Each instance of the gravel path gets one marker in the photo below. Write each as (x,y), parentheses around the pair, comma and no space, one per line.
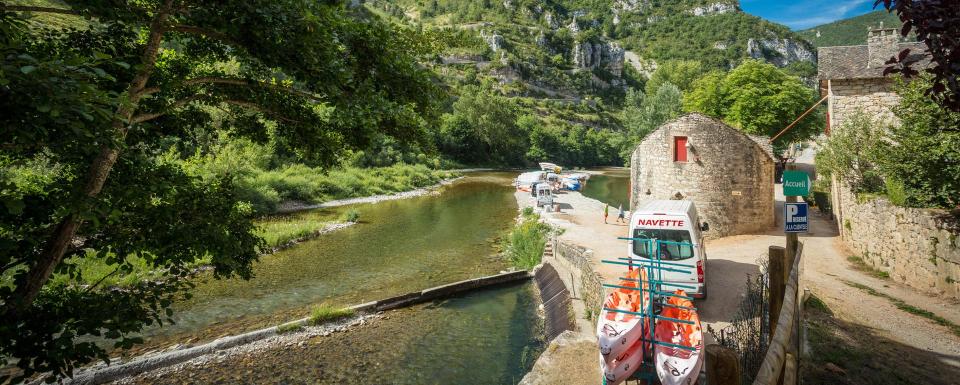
(826,273)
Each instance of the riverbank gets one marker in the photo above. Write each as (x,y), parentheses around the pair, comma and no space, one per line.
(205,363)
(295,206)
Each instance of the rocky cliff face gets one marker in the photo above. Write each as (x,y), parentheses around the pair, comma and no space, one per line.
(606,55)
(780,52)
(714,8)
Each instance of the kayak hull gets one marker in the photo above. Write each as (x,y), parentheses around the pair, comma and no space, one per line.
(619,369)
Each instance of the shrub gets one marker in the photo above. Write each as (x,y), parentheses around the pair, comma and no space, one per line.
(523,245)
(326,312)
(351,215)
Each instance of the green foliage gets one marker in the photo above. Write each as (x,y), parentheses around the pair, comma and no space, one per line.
(351,215)
(914,163)
(922,154)
(326,312)
(523,245)
(91,115)
(643,114)
(758,99)
(277,231)
(681,73)
(851,153)
(852,31)
(482,129)
(289,328)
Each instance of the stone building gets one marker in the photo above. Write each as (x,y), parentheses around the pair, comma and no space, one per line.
(917,247)
(726,173)
(852,76)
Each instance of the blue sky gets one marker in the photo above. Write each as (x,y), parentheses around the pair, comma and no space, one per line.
(802,14)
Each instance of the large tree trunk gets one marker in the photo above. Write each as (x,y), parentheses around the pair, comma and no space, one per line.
(56,246)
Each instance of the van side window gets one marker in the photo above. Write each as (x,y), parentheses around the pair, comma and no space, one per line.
(676,245)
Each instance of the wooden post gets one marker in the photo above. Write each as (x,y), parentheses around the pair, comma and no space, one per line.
(791,237)
(723,366)
(777,281)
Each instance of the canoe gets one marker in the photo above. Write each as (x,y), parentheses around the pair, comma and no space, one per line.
(620,368)
(618,331)
(677,366)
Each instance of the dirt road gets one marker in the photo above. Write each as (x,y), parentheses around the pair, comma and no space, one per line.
(827,273)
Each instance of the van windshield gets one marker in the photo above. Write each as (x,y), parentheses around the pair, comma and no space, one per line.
(668,251)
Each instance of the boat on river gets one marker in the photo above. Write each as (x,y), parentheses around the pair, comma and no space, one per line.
(678,366)
(526,180)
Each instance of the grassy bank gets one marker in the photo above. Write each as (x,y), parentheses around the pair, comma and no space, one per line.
(523,245)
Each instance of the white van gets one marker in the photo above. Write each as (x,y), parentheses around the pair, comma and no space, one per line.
(542,193)
(675,223)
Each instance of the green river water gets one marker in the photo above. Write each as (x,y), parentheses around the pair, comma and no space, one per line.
(399,246)
(611,187)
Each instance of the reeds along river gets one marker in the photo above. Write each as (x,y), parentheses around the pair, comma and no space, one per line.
(398,246)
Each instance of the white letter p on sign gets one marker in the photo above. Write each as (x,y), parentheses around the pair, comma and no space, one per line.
(792,211)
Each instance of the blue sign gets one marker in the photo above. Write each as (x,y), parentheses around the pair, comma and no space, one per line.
(795,217)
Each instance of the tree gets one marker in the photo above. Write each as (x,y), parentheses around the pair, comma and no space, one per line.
(482,128)
(759,99)
(681,73)
(644,114)
(87,110)
(920,157)
(936,24)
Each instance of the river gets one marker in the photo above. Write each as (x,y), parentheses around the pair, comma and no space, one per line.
(611,187)
(399,246)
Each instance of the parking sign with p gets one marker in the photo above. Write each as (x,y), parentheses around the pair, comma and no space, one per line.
(795,218)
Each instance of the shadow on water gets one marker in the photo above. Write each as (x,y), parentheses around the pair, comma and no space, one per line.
(400,246)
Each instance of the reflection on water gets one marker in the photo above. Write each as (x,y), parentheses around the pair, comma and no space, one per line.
(399,246)
(487,337)
(611,187)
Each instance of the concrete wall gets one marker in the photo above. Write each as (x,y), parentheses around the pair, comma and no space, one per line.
(873,96)
(918,247)
(729,176)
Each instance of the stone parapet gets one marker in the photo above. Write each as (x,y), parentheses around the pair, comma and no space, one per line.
(917,247)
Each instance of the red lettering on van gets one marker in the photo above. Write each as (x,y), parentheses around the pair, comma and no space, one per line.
(661,222)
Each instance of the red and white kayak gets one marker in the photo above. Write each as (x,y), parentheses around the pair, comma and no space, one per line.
(620,368)
(616,331)
(677,366)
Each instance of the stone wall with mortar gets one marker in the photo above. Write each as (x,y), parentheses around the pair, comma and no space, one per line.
(872,96)
(728,176)
(918,247)
(588,286)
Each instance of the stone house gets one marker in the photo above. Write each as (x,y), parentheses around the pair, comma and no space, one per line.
(918,247)
(852,76)
(726,173)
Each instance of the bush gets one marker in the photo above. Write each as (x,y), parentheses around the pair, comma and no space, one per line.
(523,245)
(351,215)
(851,153)
(326,312)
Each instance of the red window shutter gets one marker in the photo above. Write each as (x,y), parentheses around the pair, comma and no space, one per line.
(679,148)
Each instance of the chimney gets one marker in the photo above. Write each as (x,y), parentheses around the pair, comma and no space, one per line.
(882,43)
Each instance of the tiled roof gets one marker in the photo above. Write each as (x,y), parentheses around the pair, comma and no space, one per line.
(850,62)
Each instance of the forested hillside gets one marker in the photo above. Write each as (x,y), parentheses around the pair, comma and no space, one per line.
(852,31)
(559,70)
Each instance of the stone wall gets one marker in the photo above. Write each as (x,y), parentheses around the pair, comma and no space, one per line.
(873,96)
(589,287)
(729,176)
(918,247)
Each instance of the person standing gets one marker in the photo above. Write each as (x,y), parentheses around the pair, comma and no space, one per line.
(621,214)
(606,212)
